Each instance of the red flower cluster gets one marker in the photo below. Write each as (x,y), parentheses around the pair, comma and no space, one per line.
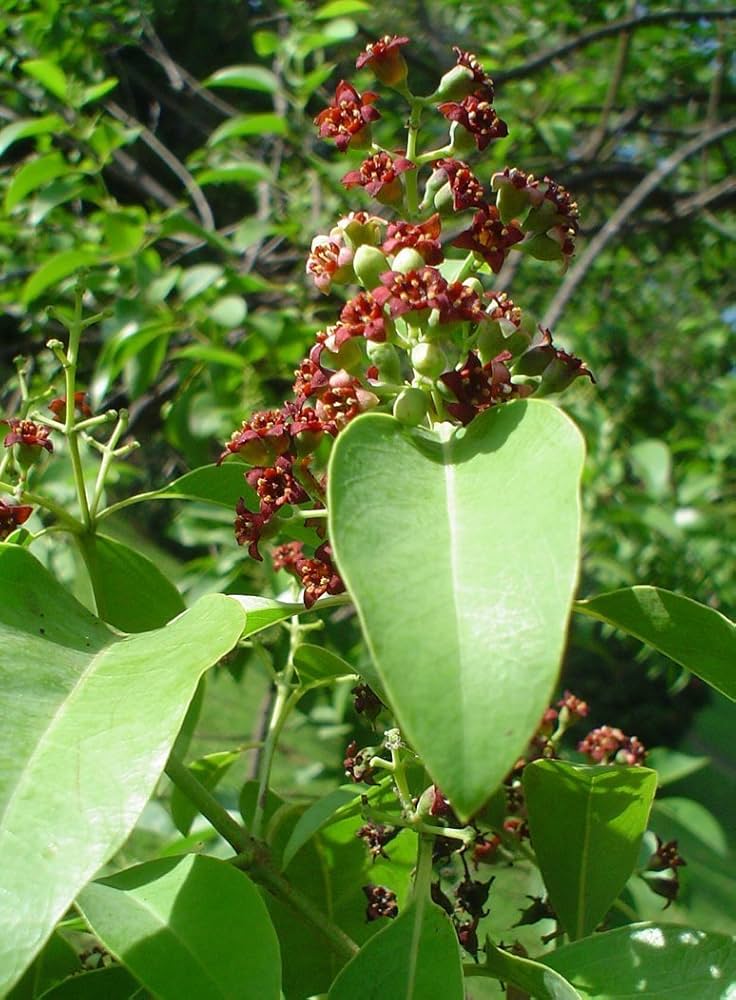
(608,744)
(11,517)
(477,386)
(27,433)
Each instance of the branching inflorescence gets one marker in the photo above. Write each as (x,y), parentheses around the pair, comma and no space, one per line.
(422,337)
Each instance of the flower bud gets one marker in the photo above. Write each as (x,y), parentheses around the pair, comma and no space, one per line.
(541,247)
(461,143)
(386,359)
(457,83)
(428,359)
(348,356)
(408,259)
(369,264)
(410,406)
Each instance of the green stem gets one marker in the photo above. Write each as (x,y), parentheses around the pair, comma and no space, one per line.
(108,454)
(231,831)
(423,873)
(410,177)
(470,264)
(71,523)
(70,379)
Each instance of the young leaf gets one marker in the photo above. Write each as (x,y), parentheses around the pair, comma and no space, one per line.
(188,927)
(33,174)
(55,269)
(90,719)
(24,128)
(244,78)
(693,635)
(536,979)
(415,957)
(49,75)
(259,124)
(131,592)
(650,960)
(464,608)
(317,665)
(586,824)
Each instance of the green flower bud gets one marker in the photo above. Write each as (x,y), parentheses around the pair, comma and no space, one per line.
(349,357)
(407,260)
(542,248)
(410,406)
(369,263)
(386,359)
(511,202)
(456,84)
(428,359)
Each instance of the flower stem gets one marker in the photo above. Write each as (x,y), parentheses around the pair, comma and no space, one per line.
(410,177)
(70,378)
(231,831)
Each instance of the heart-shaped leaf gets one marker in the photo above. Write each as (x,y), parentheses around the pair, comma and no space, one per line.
(586,823)
(461,556)
(89,719)
(188,927)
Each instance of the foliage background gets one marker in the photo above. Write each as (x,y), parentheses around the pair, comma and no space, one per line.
(190,193)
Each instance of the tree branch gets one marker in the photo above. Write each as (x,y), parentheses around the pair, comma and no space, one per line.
(627,207)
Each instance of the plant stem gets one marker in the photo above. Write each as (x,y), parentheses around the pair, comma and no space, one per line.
(108,454)
(423,873)
(410,177)
(231,831)
(70,379)
(70,522)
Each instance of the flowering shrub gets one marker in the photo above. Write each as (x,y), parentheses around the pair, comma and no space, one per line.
(420,478)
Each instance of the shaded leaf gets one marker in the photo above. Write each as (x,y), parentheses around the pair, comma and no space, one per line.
(466,629)
(209,771)
(244,78)
(25,128)
(693,635)
(531,976)
(586,824)
(188,927)
(113,983)
(317,665)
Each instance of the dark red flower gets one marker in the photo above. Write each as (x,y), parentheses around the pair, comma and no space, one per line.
(342,401)
(478,116)
(311,379)
(385,59)
(381,902)
(259,440)
(357,767)
(424,288)
(249,528)
(318,575)
(364,317)
(477,386)
(490,237)
(467,935)
(285,556)
(557,368)
(376,836)
(329,260)
(366,702)
(666,856)
(463,305)
(481,79)
(11,516)
(27,433)
(379,175)
(348,116)
(276,486)
(58,405)
(486,849)
(422,237)
(608,744)
(472,896)
(467,190)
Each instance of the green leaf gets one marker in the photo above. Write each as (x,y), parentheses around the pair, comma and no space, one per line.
(32,175)
(695,818)
(229,312)
(336,8)
(317,665)
(262,612)
(113,983)
(208,770)
(415,957)
(239,172)
(652,463)
(195,280)
(54,963)
(131,592)
(240,125)
(586,823)
(55,269)
(652,961)
(90,719)
(188,927)
(461,557)
(49,75)
(536,979)
(25,128)
(219,484)
(693,635)
(671,765)
(245,78)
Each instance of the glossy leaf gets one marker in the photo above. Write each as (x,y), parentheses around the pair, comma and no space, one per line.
(415,957)
(317,665)
(242,125)
(536,979)
(237,172)
(693,635)
(652,961)
(113,983)
(49,75)
(90,719)
(461,557)
(56,961)
(33,174)
(188,927)
(244,78)
(24,128)
(131,592)
(209,771)
(586,823)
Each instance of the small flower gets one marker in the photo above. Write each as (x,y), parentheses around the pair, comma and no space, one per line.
(249,528)
(311,379)
(385,59)
(441,899)
(27,434)
(379,175)
(574,706)
(516,192)
(477,386)
(608,744)
(58,405)
(478,117)
(467,935)
(486,849)
(490,237)
(466,189)
(356,765)
(463,305)
(539,909)
(342,401)
(422,237)
(439,805)
(414,291)
(285,556)
(12,516)
(364,317)
(481,80)
(348,117)
(329,260)
(276,486)
(472,896)
(318,575)
(259,440)
(376,837)
(381,902)
(666,856)
(365,701)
